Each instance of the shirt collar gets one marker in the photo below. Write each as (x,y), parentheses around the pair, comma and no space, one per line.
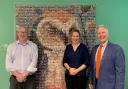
(27,42)
(104,44)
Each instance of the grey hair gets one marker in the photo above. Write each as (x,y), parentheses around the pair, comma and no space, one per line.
(102,26)
(18,27)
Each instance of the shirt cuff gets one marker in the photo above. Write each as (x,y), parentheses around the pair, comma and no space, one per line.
(11,69)
(32,70)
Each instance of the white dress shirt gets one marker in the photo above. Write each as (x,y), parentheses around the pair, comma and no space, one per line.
(22,57)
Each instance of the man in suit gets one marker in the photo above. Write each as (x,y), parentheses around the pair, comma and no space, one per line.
(107,64)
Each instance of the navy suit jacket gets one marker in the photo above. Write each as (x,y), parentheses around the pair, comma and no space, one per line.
(112,68)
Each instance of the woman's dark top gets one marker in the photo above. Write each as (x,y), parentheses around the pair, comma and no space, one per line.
(76,58)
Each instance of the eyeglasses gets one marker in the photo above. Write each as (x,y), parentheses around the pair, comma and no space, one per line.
(22,32)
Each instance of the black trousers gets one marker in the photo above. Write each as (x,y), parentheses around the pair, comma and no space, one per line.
(28,84)
(96,82)
(75,82)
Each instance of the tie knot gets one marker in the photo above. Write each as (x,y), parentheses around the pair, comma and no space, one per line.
(101,45)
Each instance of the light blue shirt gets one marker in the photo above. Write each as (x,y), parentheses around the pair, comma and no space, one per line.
(22,57)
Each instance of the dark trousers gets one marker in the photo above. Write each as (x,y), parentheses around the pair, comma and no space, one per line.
(75,82)
(96,82)
(28,84)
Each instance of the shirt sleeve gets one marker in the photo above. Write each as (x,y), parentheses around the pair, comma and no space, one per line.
(34,57)
(65,58)
(9,59)
(86,56)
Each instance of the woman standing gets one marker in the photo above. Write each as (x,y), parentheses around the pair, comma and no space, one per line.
(76,60)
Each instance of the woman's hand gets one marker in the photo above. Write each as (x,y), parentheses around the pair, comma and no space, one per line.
(73,71)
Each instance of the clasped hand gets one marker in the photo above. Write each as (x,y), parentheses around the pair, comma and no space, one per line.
(73,71)
(20,78)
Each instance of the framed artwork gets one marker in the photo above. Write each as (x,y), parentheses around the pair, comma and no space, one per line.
(49,28)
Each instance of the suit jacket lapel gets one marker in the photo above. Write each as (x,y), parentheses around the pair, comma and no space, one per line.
(105,52)
(94,55)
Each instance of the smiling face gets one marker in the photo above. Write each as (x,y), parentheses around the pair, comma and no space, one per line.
(75,37)
(102,34)
(22,34)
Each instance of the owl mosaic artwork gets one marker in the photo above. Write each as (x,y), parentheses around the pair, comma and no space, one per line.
(49,28)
